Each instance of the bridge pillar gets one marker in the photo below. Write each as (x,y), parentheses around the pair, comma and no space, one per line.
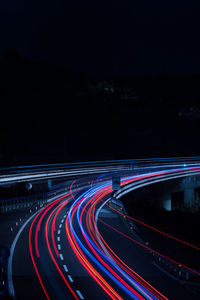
(189,183)
(167,202)
(189,198)
(49,184)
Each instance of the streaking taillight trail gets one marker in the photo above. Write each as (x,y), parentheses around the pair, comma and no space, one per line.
(107,269)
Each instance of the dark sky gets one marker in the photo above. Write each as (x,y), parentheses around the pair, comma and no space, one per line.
(105,37)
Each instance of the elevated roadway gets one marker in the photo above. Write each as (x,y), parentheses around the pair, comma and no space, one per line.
(78,246)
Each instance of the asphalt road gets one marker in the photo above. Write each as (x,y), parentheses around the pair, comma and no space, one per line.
(71,249)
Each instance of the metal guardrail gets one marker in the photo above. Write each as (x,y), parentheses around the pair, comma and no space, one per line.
(10,175)
(10,204)
(22,202)
(178,272)
(30,200)
(6,205)
(42,167)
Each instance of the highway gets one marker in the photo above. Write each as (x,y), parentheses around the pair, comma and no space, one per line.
(78,246)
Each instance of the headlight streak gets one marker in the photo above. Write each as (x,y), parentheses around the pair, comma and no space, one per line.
(83,210)
(77,205)
(78,208)
(91,230)
(108,251)
(93,246)
(117,281)
(82,259)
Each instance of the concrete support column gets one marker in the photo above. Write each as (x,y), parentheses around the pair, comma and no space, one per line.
(189,197)
(167,202)
(49,184)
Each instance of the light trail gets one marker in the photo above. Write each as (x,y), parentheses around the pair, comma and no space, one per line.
(150,249)
(114,257)
(125,182)
(104,263)
(83,260)
(51,254)
(153,228)
(106,268)
(45,210)
(91,226)
(32,256)
(93,245)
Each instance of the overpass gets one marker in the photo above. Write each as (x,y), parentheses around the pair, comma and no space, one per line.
(77,243)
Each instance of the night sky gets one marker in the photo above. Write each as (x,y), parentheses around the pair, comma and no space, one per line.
(53,113)
(105,37)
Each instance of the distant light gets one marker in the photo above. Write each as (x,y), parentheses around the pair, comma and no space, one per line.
(185,165)
(28,186)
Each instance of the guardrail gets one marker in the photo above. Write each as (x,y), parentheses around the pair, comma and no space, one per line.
(10,204)
(15,174)
(130,162)
(22,202)
(30,200)
(178,272)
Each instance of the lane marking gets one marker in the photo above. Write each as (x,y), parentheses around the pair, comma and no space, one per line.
(10,260)
(60,226)
(58,239)
(70,278)
(59,247)
(65,268)
(79,293)
(58,231)
(61,257)
(62,221)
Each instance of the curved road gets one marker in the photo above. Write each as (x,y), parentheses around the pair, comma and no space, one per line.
(78,247)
